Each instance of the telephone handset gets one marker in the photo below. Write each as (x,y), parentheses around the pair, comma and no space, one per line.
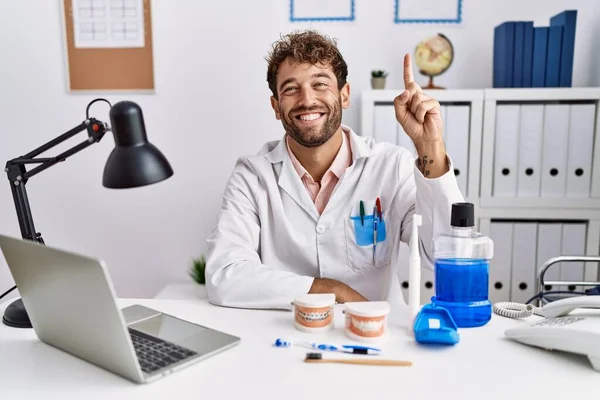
(560,328)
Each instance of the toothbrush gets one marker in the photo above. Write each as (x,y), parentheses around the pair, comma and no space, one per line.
(328,347)
(318,358)
(414,271)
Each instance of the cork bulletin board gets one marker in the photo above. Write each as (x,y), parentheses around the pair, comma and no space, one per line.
(108,45)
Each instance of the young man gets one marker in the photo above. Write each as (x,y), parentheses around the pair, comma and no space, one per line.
(299,217)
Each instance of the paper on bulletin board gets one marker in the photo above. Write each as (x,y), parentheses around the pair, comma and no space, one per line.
(108,23)
(306,10)
(429,11)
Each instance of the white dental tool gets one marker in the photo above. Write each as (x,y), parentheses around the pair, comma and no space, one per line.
(414,274)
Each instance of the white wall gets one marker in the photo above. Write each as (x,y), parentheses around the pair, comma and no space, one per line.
(211,105)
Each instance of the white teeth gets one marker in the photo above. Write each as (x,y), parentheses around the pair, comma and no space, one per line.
(367,326)
(314,316)
(309,117)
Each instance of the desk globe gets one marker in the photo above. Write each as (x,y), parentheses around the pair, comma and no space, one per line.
(433,57)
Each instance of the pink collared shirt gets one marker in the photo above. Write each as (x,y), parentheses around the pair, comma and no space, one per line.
(320,193)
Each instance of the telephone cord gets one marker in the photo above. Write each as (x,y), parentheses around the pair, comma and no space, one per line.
(516,310)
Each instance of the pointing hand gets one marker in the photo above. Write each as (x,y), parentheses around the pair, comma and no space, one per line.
(419,114)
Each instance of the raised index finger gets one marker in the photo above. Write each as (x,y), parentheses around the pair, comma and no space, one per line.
(408,72)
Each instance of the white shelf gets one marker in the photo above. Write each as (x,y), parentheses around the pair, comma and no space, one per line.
(562,203)
(443,96)
(541,94)
(480,172)
(539,214)
(481,152)
(472,97)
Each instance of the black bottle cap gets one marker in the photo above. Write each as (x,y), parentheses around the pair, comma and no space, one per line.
(463,215)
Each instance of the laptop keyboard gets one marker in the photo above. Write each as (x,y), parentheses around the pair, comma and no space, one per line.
(154,353)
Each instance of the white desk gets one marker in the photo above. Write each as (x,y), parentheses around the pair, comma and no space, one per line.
(483,365)
(182,291)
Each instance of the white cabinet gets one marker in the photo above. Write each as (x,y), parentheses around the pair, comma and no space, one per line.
(555,132)
(462,111)
(529,160)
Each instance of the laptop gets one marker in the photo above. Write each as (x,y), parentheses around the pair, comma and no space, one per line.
(72,306)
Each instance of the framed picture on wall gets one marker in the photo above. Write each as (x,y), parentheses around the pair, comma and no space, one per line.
(428,12)
(321,10)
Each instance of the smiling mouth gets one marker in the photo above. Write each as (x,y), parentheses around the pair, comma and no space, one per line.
(309,118)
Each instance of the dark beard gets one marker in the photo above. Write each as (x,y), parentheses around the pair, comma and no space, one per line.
(333,120)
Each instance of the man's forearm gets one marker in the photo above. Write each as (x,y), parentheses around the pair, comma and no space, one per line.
(432,162)
(343,293)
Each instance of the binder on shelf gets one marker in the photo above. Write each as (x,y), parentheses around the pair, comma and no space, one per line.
(518,54)
(573,244)
(500,266)
(506,138)
(523,265)
(527,53)
(402,271)
(457,142)
(531,131)
(384,124)
(427,285)
(582,120)
(554,150)
(568,20)
(504,43)
(540,50)
(553,57)
(528,56)
(549,245)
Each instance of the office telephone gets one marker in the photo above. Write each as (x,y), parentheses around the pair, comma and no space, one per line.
(570,325)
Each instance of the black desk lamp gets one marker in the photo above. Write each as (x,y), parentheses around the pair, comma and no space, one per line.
(133,162)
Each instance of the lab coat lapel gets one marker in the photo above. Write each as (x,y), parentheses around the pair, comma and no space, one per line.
(289,180)
(348,181)
(360,149)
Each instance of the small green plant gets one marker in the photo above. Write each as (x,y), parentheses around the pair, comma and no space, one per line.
(379,73)
(197,272)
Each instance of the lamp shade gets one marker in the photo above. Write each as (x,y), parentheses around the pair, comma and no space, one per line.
(134,161)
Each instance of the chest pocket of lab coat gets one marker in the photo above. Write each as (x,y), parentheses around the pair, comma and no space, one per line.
(359,242)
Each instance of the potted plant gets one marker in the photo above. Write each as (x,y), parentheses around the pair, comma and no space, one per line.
(198,274)
(378,79)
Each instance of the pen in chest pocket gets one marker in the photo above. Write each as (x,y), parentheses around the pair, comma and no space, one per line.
(378,205)
(375,218)
(362,212)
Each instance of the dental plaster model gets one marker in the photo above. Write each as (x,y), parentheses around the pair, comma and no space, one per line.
(314,312)
(366,321)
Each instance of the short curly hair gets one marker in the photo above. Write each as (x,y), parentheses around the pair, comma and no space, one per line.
(307,46)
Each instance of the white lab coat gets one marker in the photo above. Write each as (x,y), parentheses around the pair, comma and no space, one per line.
(270,241)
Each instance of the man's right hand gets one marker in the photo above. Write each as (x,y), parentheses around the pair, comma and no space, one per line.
(343,293)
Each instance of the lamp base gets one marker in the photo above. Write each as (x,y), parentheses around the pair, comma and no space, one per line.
(16,316)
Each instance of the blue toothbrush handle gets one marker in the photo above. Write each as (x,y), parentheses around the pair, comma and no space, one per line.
(326,347)
(361,348)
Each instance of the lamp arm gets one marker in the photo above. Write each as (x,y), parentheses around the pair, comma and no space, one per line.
(18,175)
